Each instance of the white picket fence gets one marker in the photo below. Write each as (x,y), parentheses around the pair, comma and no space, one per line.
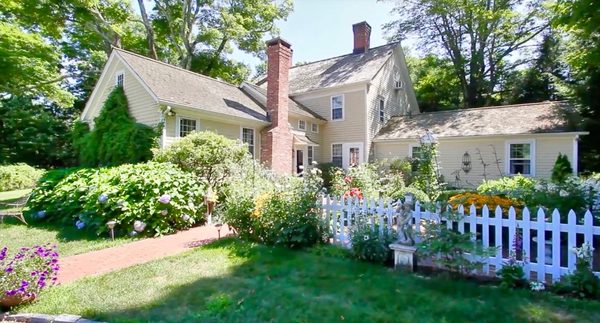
(342,214)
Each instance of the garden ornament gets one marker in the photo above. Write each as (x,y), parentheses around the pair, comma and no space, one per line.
(405,230)
(210,199)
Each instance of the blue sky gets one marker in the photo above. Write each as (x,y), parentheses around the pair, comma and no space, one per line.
(319,29)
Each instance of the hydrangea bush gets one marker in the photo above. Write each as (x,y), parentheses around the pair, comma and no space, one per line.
(28,272)
(150,198)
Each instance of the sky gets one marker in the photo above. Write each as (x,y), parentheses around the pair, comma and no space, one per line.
(319,29)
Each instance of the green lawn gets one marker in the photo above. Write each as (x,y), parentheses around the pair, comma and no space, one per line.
(70,241)
(233,281)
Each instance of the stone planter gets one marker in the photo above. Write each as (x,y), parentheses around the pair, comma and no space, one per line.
(404,257)
(12,301)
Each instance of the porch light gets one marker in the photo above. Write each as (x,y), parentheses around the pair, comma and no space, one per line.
(429,137)
(466,162)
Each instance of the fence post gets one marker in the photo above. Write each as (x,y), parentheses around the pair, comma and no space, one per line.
(555,245)
(473,224)
(541,246)
(512,227)
(526,243)
(334,221)
(485,232)
(417,216)
(498,234)
(461,216)
(572,239)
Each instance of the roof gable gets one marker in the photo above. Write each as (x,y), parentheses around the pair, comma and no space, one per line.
(337,71)
(543,117)
(177,86)
(294,106)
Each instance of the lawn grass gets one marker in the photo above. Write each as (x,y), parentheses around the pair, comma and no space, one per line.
(233,281)
(70,241)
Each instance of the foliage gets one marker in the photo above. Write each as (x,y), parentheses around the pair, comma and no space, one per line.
(156,198)
(562,169)
(369,244)
(28,272)
(116,138)
(395,189)
(212,157)
(480,38)
(435,83)
(33,133)
(427,176)
(582,282)
(18,176)
(512,273)
(404,168)
(516,187)
(450,249)
(282,211)
(328,170)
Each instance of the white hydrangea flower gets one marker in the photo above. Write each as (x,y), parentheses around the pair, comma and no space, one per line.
(139,226)
(164,212)
(537,286)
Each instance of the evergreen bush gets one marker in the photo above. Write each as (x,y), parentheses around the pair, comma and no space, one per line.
(18,176)
(562,169)
(116,138)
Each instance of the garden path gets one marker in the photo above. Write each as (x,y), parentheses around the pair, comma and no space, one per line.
(111,259)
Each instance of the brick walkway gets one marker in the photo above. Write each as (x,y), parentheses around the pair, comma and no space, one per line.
(111,259)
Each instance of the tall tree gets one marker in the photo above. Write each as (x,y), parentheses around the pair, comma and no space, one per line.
(480,37)
(435,83)
(581,20)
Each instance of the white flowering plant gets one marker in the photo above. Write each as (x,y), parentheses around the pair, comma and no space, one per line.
(582,282)
(369,243)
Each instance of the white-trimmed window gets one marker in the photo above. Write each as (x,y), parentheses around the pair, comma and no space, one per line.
(381,110)
(248,138)
(314,127)
(520,157)
(119,79)
(415,155)
(185,126)
(310,155)
(336,154)
(302,124)
(337,107)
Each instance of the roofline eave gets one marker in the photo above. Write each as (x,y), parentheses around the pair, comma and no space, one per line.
(574,133)
(216,115)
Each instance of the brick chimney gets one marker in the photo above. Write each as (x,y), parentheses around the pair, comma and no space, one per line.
(276,141)
(362,37)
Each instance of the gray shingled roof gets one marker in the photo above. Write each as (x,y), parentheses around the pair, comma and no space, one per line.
(181,87)
(543,117)
(337,71)
(293,105)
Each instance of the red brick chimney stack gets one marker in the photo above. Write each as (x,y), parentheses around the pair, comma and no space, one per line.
(362,37)
(276,141)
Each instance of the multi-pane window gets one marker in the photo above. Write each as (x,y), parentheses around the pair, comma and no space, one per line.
(314,127)
(248,138)
(520,160)
(336,154)
(337,107)
(301,124)
(119,80)
(311,154)
(381,110)
(186,126)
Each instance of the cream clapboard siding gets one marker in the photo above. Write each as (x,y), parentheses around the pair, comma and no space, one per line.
(316,137)
(397,102)
(349,130)
(232,130)
(451,151)
(142,106)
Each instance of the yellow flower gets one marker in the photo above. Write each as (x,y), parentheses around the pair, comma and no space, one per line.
(259,203)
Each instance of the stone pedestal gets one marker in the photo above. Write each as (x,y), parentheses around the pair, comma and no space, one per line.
(404,256)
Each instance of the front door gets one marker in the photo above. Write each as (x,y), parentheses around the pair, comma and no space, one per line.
(299,161)
(353,155)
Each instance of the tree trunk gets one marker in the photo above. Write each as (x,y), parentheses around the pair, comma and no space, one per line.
(149,31)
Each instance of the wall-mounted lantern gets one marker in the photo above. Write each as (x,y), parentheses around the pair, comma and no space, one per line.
(466,162)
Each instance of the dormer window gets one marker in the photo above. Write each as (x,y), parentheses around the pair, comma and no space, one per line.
(119,79)
(337,107)
(301,124)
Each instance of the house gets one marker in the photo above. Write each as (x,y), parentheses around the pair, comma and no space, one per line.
(346,110)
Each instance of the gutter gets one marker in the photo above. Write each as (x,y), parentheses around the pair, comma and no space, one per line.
(574,133)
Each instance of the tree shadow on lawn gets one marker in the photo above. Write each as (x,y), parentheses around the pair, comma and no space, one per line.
(275,284)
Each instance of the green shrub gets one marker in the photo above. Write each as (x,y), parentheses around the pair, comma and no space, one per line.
(562,169)
(368,244)
(212,157)
(284,213)
(516,187)
(395,189)
(328,170)
(582,282)
(403,167)
(427,177)
(18,176)
(116,138)
(365,177)
(158,196)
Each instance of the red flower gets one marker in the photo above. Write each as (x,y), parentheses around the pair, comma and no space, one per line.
(354,192)
(348,179)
